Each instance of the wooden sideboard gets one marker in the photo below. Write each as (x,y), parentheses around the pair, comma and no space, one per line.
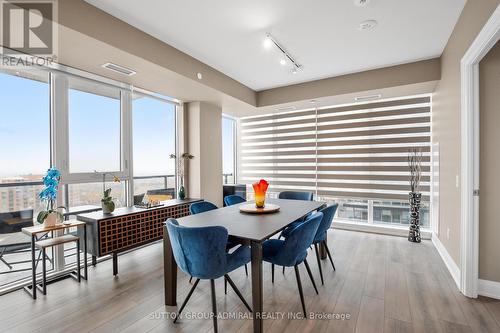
(129,227)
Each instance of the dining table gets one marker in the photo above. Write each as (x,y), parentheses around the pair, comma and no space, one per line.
(246,228)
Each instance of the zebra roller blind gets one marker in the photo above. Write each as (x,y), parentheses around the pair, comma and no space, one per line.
(353,151)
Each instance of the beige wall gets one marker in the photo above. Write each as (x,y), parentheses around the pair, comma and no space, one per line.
(393,76)
(489,182)
(446,119)
(204,141)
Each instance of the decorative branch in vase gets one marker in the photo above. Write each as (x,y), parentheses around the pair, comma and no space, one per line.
(180,165)
(51,216)
(107,203)
(415,165)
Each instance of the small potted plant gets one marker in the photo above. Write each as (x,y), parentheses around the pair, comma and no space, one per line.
(50,216)
(107,203)
(180,170)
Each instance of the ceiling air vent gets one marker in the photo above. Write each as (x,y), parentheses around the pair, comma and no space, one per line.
(367,98)
(119,69)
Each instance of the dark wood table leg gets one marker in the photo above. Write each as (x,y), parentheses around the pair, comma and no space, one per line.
(322,250)
(94,260)
(115,263)
(85,269)
(257,294)
(169,271)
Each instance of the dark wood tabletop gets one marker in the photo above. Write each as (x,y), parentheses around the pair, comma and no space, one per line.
(253,227)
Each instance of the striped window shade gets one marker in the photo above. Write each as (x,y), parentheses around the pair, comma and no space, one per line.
(353,151)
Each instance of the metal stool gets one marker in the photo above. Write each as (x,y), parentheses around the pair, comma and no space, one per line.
(50,242)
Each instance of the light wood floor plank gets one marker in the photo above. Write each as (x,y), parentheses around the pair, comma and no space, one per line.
(384,283)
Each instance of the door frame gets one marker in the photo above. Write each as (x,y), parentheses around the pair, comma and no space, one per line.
(469,115)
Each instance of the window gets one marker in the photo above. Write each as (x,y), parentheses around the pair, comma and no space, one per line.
(228,150)
(354,154)
(94,127)
(91,194)
(91,122)
(25,156)
(154,139)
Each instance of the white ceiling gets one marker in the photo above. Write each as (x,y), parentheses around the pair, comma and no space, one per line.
(322,34)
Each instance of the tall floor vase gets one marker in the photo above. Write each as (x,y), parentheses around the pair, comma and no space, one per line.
(414,235)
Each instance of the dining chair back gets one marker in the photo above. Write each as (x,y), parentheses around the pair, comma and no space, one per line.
(321,236)
(233,200)
(296,195)
(201,207)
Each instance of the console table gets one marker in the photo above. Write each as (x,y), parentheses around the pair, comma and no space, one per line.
(129,227)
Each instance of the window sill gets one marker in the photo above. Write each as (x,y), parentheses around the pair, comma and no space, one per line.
(393,230)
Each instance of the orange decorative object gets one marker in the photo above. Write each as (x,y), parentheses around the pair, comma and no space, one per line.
(260,189)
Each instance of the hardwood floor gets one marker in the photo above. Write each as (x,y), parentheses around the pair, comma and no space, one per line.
(382,284)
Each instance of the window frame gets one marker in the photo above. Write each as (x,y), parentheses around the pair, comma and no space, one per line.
(234,122)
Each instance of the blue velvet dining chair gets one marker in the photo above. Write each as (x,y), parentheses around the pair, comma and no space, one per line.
(201,207)
(201,253)
(321,235)
(293,250)
(230,200)
(205,206)
(294,195)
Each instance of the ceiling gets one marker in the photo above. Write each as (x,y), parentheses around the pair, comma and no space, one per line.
(322,35)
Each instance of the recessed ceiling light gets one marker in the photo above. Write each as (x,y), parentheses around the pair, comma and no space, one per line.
(268,42)
(312,101)
(367,25)
(361,3)
(282,61)
(199,76)
(294,70)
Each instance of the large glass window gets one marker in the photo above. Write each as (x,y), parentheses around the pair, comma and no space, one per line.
(25,156)
(153,126)
(228,150)
(94,127)
(91,194)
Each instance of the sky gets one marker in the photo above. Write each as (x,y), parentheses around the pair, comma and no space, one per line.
(94,131)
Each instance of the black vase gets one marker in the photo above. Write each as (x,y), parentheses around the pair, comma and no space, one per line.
(414,235)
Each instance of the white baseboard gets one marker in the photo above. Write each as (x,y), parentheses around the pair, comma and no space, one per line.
(448,260)
(376,228)
(488,288)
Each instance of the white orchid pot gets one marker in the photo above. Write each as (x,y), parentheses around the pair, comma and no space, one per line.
(51,220)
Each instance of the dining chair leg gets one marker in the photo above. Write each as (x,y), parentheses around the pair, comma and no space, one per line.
(186,300)
(190,279)
(214,305)
(311,276)
(283,270)
(319,263)
(297,276)
(329,255)
(272,273)
(225,285)
(246,270)
(237,291)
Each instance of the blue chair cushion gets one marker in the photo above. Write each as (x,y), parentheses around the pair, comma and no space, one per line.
(286,232)
(201,207)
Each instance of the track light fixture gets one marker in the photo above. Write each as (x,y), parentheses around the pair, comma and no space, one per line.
(287,57)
